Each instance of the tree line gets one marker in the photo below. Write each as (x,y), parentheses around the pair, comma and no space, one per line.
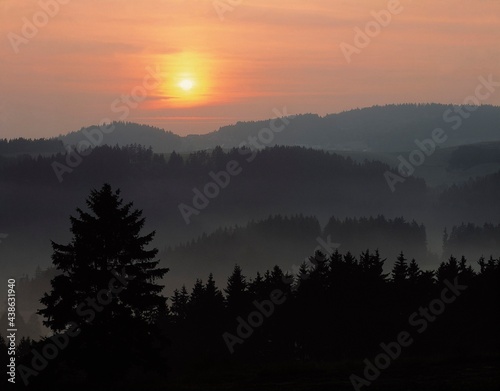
(113,328)
(335,308)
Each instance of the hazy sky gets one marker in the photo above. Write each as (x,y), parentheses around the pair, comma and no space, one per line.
(201,67)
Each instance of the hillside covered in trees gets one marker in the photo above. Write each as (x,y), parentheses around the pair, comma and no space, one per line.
(338,319)
(284,181)
(279,180)
(288,241)
(383,129)
(390,128)
(323,325)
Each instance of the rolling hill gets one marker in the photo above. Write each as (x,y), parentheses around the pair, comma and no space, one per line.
(385,129)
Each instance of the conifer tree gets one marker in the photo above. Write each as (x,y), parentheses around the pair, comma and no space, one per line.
(212,294)
(106,260)
(180,301)
(237,294)
(414,272)
(107,287)
(400,270)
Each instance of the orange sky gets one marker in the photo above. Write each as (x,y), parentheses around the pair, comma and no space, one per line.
(265,54)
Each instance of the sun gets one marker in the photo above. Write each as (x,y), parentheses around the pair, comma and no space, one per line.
(188,79)
(186,84)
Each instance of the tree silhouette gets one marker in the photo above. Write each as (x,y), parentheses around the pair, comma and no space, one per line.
(24,347)
(213,295)
(414,272)
(237,292)
(179,303)
(107,283)
(400,271)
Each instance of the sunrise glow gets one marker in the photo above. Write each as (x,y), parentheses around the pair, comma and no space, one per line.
(264,54)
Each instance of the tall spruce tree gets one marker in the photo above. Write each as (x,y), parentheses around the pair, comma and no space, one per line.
(180,301)
(106,254)
(400,270)
(107,286)
(237,292)
(414,272)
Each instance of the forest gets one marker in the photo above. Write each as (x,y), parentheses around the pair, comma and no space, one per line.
(304,268)
(329,321)
(336,309)
(260,195)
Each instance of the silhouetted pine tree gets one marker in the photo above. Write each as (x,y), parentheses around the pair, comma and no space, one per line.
(372,267)
(447,270)
(277,279)
(466,272)
(213,294)
(214,318)
(179,305)
(24,347)
(106,262)
(195,303)
(414,272)
(256,287)
(237,295)
(400,270)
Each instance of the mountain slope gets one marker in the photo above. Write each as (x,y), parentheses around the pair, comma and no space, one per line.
(392,128)
(126,133)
